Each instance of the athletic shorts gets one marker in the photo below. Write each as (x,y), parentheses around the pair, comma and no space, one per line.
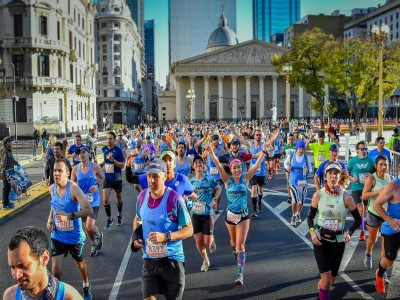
(58,248)
(298,194)
(373,220)
(329,256)
(135,178)
(244,216)
(163,276)
(278,156)
(257,180)
(391,243)
(270,158)
(357,197)
(94,214)
(115,185)
(202,224)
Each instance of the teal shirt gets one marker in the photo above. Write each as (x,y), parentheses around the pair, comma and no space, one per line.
(359,168)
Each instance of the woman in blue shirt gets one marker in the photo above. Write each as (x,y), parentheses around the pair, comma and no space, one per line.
(237,217)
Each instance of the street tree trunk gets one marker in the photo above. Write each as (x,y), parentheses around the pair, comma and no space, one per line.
(321,112)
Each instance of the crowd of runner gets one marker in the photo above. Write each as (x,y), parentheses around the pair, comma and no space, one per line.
(181,173)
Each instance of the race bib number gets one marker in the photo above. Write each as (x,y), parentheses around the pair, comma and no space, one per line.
(139,166)
(233,218)
(109,168)
(199,207)
(89,197)
(332,224)
(363,177)
(156,249)
(213,171)
(191,156)
(301,182)
(321,157)
(65,225)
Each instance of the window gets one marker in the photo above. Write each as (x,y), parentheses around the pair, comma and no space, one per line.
(43,25)
(116,24)
(105,93)
(18,61)
(104,57)
(72,111)
(21,110)
(105,71)
(77,112)
(117,70)
(164,108)
(117,37)
(43,65)
(60,68)
(117,48)
(70,40)
(79,48)
(83,23)
(71,72)
(103,25)
(79,19)
(60,109)
(117,93)
(117,80)
(58,31)
(104,80)
(18,26)
(164,114)
(117,57)
(104,48)
(83,50)
(104,38)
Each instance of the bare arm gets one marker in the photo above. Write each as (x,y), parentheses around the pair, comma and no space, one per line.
(183,233)
(369,184)
(74,174)
(309,141)
(79,197)
(222,173)
(384,197)
(71,293)
(99,174)
(254,168)
(317,182)
(198,143)
(272,140)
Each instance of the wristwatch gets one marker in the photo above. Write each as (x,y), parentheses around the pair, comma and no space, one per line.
(73,216)
(168,236)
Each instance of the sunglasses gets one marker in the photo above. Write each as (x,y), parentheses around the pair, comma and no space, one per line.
(363,149)
(258,135)
(382,143)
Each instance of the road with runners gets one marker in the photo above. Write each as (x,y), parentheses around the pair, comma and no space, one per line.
(280,263)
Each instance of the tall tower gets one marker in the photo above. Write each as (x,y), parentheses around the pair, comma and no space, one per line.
(271,17)
(191,23)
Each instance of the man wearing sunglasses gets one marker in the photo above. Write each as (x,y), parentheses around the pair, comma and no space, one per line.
(380,150)
(359,168)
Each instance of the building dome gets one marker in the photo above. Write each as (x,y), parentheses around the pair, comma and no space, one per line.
(222,37)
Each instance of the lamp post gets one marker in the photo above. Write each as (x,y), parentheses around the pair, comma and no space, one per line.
(191,96)
(380,35)
(288,71)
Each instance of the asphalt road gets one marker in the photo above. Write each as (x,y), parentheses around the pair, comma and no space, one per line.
(280,263)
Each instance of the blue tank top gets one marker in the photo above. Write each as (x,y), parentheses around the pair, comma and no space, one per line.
(59,296)
(191,152)
(393,211)
(71,231)
(164,146)
(236,194)
(139,162)
(211,167)
(85,182)
(261,171)
(203,189)
(297,176)
(182,169)
(157,219)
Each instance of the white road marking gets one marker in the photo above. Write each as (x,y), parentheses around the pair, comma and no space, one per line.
(393,289)
(281,207)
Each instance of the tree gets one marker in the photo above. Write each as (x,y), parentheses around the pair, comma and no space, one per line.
(307,60)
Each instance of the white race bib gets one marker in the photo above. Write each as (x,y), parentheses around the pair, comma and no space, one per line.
(332,224)
(109,168)
(233,218)
(199,207)
(321,157)
(156,249)
(89,197)
(65,225)
(363,177)
(213,171)
(191,156)
(301,182)
(139,166)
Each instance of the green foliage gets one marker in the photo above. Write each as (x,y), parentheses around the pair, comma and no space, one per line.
(115,127)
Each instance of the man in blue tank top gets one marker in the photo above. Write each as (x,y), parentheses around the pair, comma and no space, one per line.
(29,247)
(162,215)
(68,205)
(72,149)
(135,164)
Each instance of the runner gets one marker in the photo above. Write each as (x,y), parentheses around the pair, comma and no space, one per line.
(278,144)
(237,218)
(68,206)
(149,148)
(380,150)
(161,238)
(183,164)
(320,149)
(207,189)
(58,148)
(359,168)
(270,157)
(192,145)
(121,143)
(90,178)
(164,143)
(72,150)
(329,237)
(137,158)
(289,148)
(29,247)
(298,165)
(113,164)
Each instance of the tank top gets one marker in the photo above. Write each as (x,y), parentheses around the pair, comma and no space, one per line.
(191,152)
(379,184)
(139,163)
(236,194)
(297,176)
(261,168)
(211,167)
(156,219)
(203,188)
(182,169)
(55,290)
(332,212)
(393,211)
(163,145)
(85,182)
(71,231)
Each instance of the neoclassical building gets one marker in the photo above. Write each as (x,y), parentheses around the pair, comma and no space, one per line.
(231,81)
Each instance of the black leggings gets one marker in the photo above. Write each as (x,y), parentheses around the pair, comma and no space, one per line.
(329,256)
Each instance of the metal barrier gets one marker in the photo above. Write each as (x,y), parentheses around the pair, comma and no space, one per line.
(28,147)
(395,158)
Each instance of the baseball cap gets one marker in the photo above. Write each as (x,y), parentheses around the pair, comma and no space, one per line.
(333,166)
(198,157)
(164,134)
(321,133)
(156,166)
(334,147)
(82,149)
(301,144)
(215,136)
(235,141)
(168,152)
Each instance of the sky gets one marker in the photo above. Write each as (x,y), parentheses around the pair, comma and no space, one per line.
(158,10)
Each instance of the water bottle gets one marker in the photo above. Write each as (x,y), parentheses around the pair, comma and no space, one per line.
(189,202)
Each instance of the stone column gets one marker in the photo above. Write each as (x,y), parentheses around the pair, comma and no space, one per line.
(275,91)
(206,97)
(261,104)
(248,98)
(193,105)
(178,98)
(301,102)
(234,97)
(220,97)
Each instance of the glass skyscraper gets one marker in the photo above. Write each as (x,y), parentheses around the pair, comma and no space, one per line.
(149,46)
(273,16)
(191,23)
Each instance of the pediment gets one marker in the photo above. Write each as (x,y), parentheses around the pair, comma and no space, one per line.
(253,52)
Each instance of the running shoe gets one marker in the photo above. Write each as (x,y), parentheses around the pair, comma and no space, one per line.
(386,278)
(362,235)
(379,283)
(119,221)
(293,221)
(298,219)
(289,200)
(254,215)
(8,206)
(368,261)
(99,241)
(110,221)
(269,177)
(213,247)
(94,250)
(205,265)
(259,206)
(274,171)
(239,278)
(86,293)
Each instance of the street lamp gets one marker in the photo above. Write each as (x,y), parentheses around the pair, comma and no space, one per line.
(288,71)
(380,35)
(191,97)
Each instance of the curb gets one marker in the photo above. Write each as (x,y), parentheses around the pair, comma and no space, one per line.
(35,158)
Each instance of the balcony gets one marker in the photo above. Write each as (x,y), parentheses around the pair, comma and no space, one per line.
(43,82)
(40,42)
(134,101)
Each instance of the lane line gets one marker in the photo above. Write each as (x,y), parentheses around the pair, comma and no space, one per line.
(281,207)
(393,289)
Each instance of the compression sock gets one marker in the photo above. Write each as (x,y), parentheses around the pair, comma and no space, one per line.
(119,207)
(259,198)
(108,210)
(324,294)
(254,202)
(381,270)
(241,260)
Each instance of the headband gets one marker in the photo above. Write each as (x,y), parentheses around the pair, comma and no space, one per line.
(234,161)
